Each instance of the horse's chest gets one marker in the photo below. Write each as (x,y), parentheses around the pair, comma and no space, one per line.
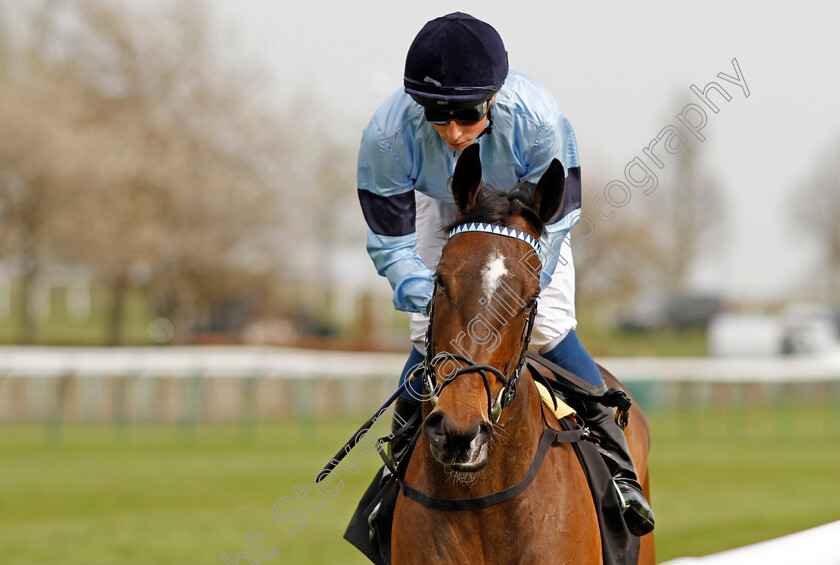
(518,532)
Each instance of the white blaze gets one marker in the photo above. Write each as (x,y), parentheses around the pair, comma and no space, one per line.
(492,274)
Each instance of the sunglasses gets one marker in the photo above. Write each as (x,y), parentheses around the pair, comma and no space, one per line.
(465,117)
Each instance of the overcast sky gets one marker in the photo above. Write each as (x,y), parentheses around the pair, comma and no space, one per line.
(621,72)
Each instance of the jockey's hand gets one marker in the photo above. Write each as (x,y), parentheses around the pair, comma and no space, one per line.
(413,292)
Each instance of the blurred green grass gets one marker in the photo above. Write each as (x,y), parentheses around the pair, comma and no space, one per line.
(723,479)
(105,494)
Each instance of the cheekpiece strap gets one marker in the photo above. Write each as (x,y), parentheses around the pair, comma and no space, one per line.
(498,230)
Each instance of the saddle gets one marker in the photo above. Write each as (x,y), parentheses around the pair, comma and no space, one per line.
(369,529)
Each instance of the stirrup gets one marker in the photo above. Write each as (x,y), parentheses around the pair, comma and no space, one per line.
(637,513)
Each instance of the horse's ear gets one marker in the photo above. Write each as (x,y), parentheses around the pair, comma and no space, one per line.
(466,182)
(549,192)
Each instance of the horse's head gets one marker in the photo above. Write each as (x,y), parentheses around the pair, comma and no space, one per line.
(487,285)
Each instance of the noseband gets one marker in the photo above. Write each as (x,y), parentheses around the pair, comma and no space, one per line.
(508,379)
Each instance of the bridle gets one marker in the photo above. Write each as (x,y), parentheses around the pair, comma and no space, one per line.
(508,378)
(508,390)
(569,433)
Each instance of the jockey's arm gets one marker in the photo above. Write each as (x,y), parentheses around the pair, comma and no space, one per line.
(557,140)
(396,259)
(386,194)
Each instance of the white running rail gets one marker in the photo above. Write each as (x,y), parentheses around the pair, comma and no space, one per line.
(817,546)
(287,363)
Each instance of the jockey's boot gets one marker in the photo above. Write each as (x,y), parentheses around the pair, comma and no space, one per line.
(616,453)
(404,409)
(570,354)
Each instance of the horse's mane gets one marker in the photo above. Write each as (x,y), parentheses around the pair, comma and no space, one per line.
(495,206)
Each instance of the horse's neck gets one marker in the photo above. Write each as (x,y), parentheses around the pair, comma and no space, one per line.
(512,450)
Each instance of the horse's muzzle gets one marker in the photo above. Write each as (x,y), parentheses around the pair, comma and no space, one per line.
(463,450)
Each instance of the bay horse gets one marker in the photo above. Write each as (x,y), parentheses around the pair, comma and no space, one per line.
(471,444)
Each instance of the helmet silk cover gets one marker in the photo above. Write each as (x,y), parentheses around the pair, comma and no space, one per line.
(455,60)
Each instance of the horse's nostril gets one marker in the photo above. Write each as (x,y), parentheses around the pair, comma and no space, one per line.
(433,428)
(485,430)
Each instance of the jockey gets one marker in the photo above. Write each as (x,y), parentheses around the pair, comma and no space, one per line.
(457,92)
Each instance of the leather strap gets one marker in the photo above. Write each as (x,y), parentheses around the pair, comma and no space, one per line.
(549,437)
(579,388)
(395,470)
(579,384)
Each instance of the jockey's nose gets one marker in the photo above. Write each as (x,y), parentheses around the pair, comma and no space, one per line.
(453,130)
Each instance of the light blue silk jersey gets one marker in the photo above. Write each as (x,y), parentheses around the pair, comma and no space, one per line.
(401,152)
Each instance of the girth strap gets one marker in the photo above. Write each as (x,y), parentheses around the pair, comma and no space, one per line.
(549,437)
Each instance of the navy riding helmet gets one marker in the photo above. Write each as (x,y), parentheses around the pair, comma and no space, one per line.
(454,62)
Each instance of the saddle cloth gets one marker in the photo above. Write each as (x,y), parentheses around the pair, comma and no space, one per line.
(562,409)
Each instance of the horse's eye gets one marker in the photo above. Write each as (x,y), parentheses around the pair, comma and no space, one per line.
(439,282)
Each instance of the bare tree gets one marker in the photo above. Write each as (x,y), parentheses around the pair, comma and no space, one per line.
(817,213)
(159,148)
(618,261)
(147,149)
(36,149)
(688,212)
